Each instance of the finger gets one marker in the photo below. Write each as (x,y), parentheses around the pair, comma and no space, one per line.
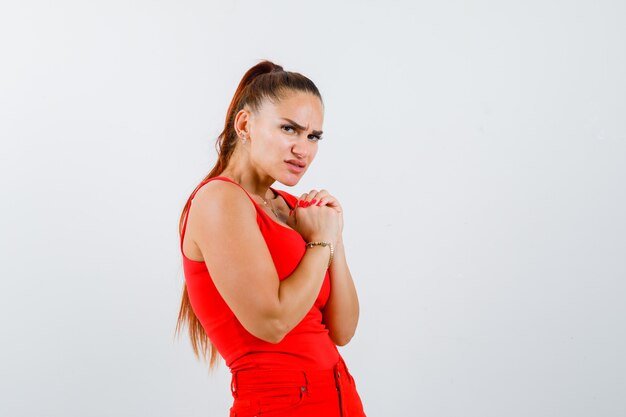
(311,195)
(325,197)
(320,194)
(334,204)
(307,198)
(316,196)
(301,200)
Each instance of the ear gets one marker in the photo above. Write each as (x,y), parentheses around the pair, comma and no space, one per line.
(242,122)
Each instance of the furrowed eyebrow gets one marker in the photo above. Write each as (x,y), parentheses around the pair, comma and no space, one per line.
(315,132)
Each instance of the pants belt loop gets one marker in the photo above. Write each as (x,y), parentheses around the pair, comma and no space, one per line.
(233,385)
(336,374)
(306,383)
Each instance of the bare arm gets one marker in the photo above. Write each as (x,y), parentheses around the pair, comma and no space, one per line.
(234,250)
(341,313)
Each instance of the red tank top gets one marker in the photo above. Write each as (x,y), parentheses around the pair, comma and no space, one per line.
(306,346)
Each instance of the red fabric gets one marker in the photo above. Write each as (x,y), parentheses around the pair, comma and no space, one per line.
(329,393)
(308,345)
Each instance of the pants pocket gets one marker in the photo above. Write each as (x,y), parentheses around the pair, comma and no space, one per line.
(276,401)
(280,400)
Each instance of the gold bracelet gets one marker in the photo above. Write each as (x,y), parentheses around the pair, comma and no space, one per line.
(332,251)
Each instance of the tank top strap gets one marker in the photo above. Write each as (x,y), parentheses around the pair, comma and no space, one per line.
(193,194)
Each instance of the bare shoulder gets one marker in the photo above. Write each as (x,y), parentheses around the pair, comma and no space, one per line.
(219,194)
(217,207)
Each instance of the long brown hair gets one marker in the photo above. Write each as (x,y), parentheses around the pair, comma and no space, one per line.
(265,80)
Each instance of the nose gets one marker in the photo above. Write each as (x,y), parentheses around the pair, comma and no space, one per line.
(299,151)
(304,149)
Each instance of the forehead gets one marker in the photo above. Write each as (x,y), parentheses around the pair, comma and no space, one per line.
(303,108)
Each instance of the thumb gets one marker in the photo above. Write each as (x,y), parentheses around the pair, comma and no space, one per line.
(291,219)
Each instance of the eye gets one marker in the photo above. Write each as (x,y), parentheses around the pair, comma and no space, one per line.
(286,128)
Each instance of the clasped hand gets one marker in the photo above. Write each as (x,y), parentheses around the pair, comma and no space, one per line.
(330,222)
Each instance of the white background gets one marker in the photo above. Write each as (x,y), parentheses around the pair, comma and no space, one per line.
(478,149)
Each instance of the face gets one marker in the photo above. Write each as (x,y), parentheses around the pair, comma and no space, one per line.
(288,130)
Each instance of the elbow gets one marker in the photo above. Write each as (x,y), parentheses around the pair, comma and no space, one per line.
(273,331)
(264,323)
(342,340)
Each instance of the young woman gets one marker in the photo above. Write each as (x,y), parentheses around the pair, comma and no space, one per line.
(266,279)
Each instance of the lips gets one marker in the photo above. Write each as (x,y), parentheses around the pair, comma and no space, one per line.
(296,169)
(296,163)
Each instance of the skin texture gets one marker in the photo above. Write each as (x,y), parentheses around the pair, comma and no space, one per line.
(222,229)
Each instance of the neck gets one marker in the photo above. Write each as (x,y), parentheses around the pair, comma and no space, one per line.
(251,179)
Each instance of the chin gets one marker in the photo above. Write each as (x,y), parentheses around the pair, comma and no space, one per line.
(291,183)
(290,180)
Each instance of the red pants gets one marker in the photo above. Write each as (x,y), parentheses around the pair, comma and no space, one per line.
(280,393)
